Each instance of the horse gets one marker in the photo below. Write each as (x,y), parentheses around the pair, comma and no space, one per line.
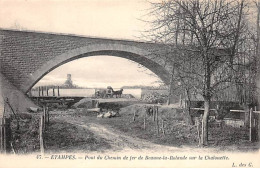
(117,93)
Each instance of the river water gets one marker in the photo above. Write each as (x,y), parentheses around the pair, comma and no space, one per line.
(90,92)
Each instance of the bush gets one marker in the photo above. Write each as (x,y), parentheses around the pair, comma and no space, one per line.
(154,97)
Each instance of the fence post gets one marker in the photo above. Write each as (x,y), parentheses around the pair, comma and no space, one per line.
(198,131)
(134,115)
(44,117)
(58,90)
(47,91)
(157,120)
(145,120)
(202,132)
(256,125)
(53,91)
(247,117)
(48,115)
(153,112)
(42,91)
(8,135)
(5,135)
(250,124)
(41,134)
(163,131)
(39,91)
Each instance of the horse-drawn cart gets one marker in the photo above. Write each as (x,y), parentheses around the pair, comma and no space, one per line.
(107,93)
(104,93)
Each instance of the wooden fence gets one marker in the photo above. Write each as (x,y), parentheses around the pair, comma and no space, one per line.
(5,128)
(6,132)
(153,112)
(253,122)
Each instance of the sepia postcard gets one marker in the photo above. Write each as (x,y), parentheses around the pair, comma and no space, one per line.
(129,84)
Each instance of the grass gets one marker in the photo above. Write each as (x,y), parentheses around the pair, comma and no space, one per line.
(64,137)
(177,132)
(61,137)
(26,139)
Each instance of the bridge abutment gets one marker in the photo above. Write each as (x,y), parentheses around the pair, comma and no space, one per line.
(15,97)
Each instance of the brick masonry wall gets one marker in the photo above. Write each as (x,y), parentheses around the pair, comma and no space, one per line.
(23,53)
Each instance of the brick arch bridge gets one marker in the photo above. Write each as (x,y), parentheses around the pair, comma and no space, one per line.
(27,56)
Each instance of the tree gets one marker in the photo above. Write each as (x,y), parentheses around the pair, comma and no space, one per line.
(205,35)
(257,3)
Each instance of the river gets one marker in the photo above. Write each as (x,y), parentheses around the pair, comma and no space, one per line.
(88,92)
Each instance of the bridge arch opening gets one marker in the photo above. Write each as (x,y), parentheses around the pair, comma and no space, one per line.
(131,53)
(100,72)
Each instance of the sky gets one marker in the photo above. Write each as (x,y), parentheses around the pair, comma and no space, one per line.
(118,19)
(93,72)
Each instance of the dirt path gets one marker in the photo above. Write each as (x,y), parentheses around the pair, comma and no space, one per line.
(119,141)
(115,138)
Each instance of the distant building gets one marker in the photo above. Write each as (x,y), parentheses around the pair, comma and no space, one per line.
(68,83)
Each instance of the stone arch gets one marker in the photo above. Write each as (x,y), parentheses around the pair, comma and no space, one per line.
(133,53)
